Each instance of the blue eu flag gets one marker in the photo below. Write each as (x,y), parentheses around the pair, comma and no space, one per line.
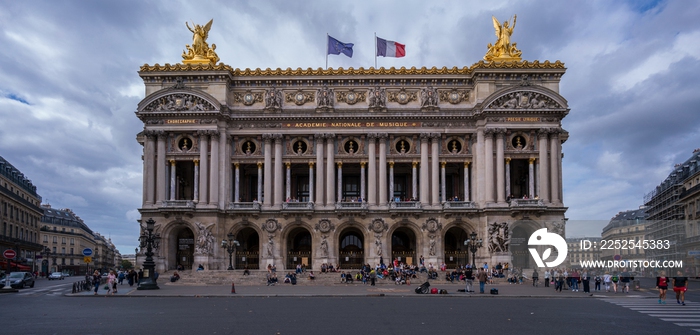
(336,47)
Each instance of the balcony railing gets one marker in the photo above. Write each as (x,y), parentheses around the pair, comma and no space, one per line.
(178,203)
(297,205)
(458,205)
(244,206)
(404,205)
(526,203)
(351,205)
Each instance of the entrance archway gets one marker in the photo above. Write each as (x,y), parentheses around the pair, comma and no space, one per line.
(351,249)
(298,248)
(248,254)
(403,245)
(184,253)
(456,252)
(518,248)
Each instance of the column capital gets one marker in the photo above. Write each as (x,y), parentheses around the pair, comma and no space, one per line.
(236,165)
(466,164)
(329,136)
(391,164)
(288,165)
(172,162)
(414,164)
(424,136)
(382,136)
(543,132)
(507,160)
(319,137)
(362,164)
(443,164)
(340,164)
(267,138)
(278,138)
(196,162)
(532,160)
(260,165)
(311,164)
(489,131)
(435,136)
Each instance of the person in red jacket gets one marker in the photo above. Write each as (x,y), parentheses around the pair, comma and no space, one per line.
(662,285)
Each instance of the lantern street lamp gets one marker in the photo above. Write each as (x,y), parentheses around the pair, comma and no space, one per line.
(230,247)
(149,241)
(473,244)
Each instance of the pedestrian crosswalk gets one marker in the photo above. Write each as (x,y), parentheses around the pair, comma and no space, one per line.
(684,316)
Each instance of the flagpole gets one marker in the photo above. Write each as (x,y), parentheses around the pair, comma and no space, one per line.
(375,49)
(326,51)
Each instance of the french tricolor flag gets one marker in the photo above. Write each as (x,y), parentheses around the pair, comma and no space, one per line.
(390,48)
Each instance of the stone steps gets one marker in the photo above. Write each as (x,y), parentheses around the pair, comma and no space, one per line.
(258,277)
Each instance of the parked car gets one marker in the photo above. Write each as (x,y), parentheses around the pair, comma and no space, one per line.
(21,279)
(56,275)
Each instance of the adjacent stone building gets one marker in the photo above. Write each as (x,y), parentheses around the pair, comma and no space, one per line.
(625,226)
(20,215)
(351,166)
(583,249)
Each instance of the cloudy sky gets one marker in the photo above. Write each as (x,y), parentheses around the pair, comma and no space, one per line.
(69,87)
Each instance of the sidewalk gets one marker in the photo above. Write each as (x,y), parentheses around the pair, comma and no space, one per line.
(353,290)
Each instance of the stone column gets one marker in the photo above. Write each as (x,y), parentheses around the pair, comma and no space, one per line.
(260,183)
(554,165)
(531,178)
(508,191)
(204,168)
(173,181)
(319,169)
(443,180)
(372,170)
(288,180)
(424,183)
(391,180)
(149,157)
(383,198)
(544,175)
(414,177)
(362,182)
(340,181)
(466,182)
(478,170)
(488,164)
(311,181)
(278,200)
(196,180)
(435,166)
(214,169)
(237,183)
(330,170)
(160,168)
(267,175)
(500,170)
(224,184)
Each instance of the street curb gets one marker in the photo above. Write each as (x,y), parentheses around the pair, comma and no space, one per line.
(453,295)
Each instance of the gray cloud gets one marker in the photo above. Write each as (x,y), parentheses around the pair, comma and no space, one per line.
(69,87)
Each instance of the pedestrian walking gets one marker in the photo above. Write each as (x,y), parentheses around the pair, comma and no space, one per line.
(586,280)
(607,280)
(680,286)
(469,278)
(662,285)
(597,280)
(96,280)
(535,277)
(546,278)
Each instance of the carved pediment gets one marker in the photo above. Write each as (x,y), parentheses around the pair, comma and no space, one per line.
(524,100)
(179,102)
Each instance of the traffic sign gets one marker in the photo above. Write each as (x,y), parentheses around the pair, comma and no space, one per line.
(9,254)
(87,259)
(87,252)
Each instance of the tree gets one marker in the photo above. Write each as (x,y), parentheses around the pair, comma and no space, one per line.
(126,264)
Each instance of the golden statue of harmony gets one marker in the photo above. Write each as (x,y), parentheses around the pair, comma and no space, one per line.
(200,52)
(503,50)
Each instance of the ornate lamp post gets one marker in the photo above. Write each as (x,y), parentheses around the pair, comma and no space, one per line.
(230,247)
(149,241)
(473,244)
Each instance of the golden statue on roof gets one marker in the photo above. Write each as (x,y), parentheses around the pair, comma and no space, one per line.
(503,50)
(200,52)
